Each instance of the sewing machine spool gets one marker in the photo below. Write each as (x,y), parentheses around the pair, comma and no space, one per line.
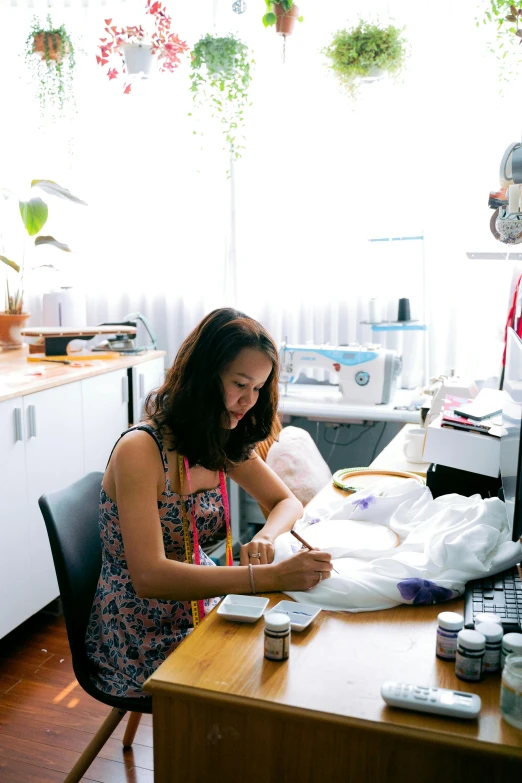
(365,477)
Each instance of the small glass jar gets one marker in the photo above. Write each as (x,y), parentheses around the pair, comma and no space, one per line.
(493,633)
(511,643)
(487,617)
(277,636)
(511,690)
(471,646)
(449,625)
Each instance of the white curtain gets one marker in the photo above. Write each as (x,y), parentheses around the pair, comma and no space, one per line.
(287,237)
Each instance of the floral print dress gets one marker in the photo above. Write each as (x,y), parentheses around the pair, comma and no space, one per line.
(127,636)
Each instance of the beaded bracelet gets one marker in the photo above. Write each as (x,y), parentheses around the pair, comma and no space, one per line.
(252,583)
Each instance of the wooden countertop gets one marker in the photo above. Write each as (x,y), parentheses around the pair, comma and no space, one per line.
(19,377)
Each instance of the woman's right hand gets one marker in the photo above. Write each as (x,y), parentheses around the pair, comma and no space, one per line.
(304,570)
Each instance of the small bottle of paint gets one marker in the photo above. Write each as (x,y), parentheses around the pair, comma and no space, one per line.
(449,624)
(511,643)
(277,636)
(471,646)
(493,633)
(487,617)
(511,691)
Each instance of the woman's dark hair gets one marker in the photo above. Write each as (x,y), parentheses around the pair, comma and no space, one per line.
(190,403)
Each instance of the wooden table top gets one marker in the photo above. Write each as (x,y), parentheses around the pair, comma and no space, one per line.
(19,377)
(335,670)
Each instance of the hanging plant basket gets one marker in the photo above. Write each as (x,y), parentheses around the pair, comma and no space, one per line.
(50,46)
(138,59)
(286,19)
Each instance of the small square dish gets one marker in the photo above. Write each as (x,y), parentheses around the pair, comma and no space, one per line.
(301,615)
(242,608)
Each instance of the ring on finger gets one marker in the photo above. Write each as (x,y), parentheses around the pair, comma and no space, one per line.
(320,575)
(255,554)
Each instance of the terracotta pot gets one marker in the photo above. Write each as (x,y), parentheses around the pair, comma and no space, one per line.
(10,326)
(286,19)
(54,43)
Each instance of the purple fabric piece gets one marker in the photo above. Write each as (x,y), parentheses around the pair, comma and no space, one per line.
(422,591)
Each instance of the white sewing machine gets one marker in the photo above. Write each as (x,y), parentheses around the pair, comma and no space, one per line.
(366,374)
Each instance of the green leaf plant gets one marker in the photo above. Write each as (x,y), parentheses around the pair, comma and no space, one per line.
(34,213)
(365,51)
(49,54)
(506,16)
(220,80)
(270,17)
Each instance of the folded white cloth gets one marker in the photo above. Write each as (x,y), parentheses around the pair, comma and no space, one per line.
(443,544)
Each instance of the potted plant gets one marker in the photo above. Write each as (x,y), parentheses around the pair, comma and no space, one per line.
(283,13)
(49,53)
(133,50)
(220,79)
(364,53)
(34,213)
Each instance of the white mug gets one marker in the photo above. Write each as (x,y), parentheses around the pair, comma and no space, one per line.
(414,444)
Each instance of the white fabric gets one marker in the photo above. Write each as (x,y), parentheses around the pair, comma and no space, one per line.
(444,543)
(298,462)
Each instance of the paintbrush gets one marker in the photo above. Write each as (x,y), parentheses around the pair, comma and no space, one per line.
(304,543)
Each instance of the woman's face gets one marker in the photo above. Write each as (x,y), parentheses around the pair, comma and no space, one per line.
(242,379)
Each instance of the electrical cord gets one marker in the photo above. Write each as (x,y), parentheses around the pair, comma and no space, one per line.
(375,449)
(348,442)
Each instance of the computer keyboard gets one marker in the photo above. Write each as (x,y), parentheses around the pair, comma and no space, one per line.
(500,594)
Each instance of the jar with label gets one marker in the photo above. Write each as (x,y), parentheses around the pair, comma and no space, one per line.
(511,690)
(277,636)
(471,646)
(511,643)
(493,633)
(487,617)
(449,625)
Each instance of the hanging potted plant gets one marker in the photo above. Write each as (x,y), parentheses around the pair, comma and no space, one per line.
(507,16)
(283,13)
(365,53)
(133,51)
(49,54)
(220,79)
(34,213)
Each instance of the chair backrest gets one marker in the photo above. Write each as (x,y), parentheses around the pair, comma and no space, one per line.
(71,519)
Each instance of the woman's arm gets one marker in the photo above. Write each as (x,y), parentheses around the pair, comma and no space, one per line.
(260,481)
(136,475)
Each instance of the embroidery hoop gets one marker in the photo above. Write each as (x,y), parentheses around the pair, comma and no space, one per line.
(342,479)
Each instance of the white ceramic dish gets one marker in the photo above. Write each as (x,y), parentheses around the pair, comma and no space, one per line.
(242,608)
(301,615)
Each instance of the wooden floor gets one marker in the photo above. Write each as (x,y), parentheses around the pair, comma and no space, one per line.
(46,719)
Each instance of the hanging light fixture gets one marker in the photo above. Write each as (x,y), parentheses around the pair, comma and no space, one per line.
(239,6)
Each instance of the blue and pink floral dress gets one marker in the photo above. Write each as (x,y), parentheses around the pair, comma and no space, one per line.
(127,636)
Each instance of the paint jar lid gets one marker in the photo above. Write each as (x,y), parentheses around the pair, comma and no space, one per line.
(487,617)
(276,621)
(472,640)
(451,621)
(512,642)
(492,631)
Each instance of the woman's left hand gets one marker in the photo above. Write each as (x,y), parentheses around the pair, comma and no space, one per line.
(259,551)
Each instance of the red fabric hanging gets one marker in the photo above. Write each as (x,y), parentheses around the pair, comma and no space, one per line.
(511,319)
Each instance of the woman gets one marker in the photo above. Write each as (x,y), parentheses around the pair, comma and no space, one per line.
(164,494)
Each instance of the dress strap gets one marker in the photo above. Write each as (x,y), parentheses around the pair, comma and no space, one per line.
(152,432)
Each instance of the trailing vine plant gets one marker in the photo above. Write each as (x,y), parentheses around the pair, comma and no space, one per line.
(49,54)
(220,80)
(506,16)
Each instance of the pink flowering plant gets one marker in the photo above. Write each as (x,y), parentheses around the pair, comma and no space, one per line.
(166,46)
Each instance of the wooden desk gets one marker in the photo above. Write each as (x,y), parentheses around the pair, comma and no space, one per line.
(223,712)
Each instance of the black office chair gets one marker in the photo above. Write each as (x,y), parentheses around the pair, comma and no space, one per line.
(71,518)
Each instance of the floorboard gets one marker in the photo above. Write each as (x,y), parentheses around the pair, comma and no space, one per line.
(47,720)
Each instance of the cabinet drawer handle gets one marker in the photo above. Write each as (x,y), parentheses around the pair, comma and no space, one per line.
(32,421)
(19,432)
(142,385)
(125,388)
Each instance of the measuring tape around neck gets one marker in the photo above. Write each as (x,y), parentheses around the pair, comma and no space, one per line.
(192,554)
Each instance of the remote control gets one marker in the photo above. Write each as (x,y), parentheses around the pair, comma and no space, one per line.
(439,701)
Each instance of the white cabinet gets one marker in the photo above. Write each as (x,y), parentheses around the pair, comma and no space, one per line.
(15,575)
(105,415)
(53,458)
(145,378)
